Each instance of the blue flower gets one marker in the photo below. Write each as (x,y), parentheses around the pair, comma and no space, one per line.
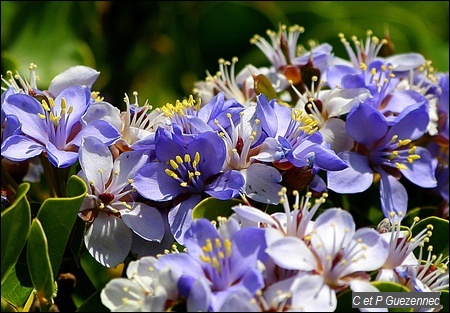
(388,151)
(185,174)
(216,264)
(293,144)
(53,126)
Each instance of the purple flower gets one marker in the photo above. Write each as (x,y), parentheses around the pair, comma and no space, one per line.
(53,126)
(185,173)
(292,141)
(216,264)
(388,151)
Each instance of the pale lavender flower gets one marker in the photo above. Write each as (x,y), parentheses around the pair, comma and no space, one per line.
(53,126)
(109,209)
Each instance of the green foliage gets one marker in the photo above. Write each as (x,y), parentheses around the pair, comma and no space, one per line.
(15,228)
(45,238)
(212,208)
(39,263)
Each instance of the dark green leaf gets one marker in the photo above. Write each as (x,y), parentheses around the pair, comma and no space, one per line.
(58,215)
(39,263)
(439,238)
(15,227)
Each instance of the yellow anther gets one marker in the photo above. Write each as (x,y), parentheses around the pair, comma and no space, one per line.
(197,158)
(63,103)
(42,116)
(187,158)
(220,255)
(215,263)
(51,102)
(207,248)
(205,258)
(70,109)
(412,150)
(404,142)
(116,172)
(173,164)
(171,173)
(400,166)
(393,155)
(373,71)
(218,243)
(130,180)
(197,173)
(363,66)
(45,106)
(227,245)
(179,159)
(183,184)
(413,157)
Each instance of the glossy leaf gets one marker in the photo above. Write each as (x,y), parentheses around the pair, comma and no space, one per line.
(211,208)
(17,286)
(58,215)
(39,262)
(439,239)
(16,222)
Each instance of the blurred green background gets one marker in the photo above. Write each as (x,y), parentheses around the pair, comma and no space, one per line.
(160,48)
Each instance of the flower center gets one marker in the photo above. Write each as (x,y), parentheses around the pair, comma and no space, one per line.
(185,170)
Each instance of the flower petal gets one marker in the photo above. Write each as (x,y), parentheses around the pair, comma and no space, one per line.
(394,197)
(332,231)
(262,183)
(74,75)
(312,294)
(357,177)
(292,253)
(60,158)
(144,220)
(226,186)
(366,125)
(152,182)
(20,148)
(108,240)
(96,161)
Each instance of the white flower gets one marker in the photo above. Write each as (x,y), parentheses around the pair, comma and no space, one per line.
(109,208)
(147,288)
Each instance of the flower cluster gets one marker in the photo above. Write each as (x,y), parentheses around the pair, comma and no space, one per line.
(263,142)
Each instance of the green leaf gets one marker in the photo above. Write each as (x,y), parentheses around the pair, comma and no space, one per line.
(16,222)
(264,85)
(444,300)
(421,212)
(39,263)
(7,307)
(58,215)
(439,238)
(211,208)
